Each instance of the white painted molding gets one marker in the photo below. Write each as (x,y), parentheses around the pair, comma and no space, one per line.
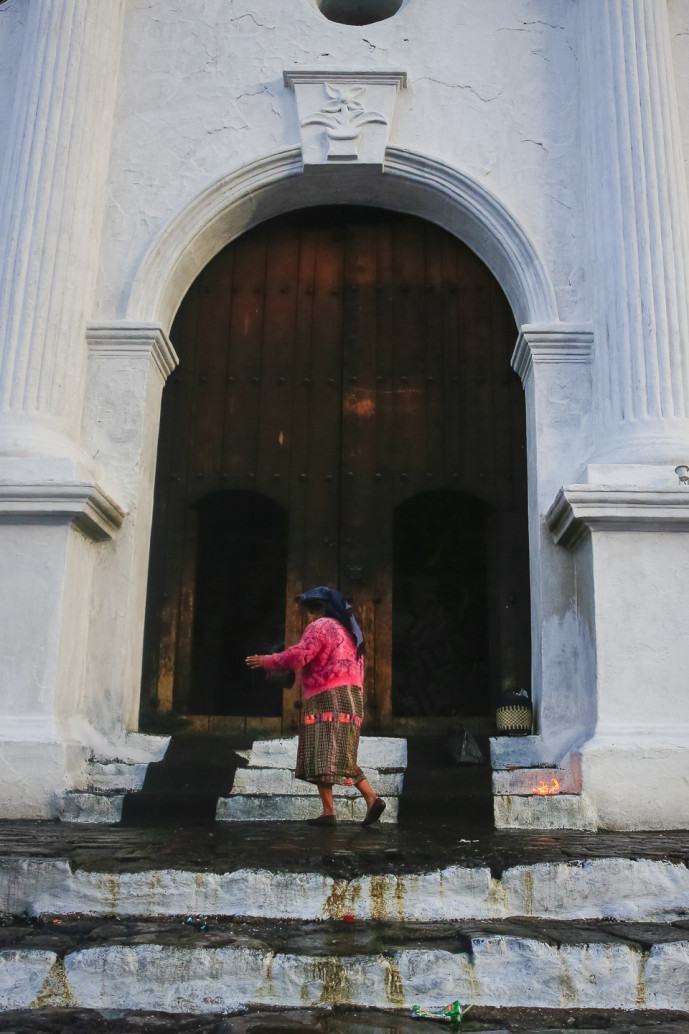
(116,338)
(344,117)
(296,76)
(482,221)
(82,502)
(551,343)
(578,509)
(409,182)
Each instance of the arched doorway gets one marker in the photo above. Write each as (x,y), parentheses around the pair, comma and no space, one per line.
(339,361)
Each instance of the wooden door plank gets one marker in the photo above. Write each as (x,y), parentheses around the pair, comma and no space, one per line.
(357,553)
(175,494)
(214,290)
(436,404)
(240,432)
(323,424)
(301,397)
(386,485)
(410,358)
(457,395)
(277,362)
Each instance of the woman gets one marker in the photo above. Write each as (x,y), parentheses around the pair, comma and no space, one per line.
(331,654)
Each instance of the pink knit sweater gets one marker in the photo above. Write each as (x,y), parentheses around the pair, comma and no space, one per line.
(327,654)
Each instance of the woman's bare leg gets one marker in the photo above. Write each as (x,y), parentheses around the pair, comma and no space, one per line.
(326,795)
(367,791)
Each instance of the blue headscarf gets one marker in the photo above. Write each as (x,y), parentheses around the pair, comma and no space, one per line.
(340,609)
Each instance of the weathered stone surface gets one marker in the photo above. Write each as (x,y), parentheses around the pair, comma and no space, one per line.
(515,971)
(85,806)
(616,887)
(283,781)
(296,809)
(22,975)
(525,781)
(603,888)
(500,970)
(552,812)
(115,775)
(374,752)
(667,976)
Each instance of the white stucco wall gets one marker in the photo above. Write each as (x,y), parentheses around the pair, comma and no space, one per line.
(201,93)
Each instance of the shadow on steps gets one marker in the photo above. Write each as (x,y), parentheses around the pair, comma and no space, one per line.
(183,788)
(438,787)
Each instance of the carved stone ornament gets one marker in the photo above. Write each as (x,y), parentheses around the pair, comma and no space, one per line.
(345,116)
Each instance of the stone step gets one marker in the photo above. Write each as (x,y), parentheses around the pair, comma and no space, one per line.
(209,966)
(383,753)
(282,781)
(115,775)
(101,806)
(623,889)
(292,808)
(259,792)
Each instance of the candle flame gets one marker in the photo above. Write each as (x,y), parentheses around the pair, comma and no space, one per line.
(544,789)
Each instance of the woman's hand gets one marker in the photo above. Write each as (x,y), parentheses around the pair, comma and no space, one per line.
(255,660)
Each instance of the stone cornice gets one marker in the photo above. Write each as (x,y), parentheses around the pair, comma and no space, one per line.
(294,76)
(84,503)
(578,509)
(551,343)
(127,337)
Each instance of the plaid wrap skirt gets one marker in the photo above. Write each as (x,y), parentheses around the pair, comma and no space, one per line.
(329,737)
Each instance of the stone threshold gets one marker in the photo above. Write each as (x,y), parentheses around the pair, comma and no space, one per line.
(346,851)
(220,968)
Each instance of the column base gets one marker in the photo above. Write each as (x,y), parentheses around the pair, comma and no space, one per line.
(32,775)
(637,777)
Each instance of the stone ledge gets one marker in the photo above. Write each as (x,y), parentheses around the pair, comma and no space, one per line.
(84,503)
(581,508)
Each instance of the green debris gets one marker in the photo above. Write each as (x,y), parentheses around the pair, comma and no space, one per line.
(453,1013)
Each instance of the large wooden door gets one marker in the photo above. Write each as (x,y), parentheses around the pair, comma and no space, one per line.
(338,363)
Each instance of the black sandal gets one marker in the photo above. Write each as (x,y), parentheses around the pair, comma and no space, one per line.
(374,812)
(323,820)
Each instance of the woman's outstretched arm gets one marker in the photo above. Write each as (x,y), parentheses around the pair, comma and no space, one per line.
(294,656)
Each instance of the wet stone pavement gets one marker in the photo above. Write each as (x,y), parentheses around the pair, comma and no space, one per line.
(343,1020)
(348,850)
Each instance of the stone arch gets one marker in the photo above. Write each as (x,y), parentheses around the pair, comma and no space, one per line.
(409,182)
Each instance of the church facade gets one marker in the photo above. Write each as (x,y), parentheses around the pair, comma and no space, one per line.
(390,294)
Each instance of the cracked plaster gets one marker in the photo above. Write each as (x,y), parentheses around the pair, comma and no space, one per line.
(195,102)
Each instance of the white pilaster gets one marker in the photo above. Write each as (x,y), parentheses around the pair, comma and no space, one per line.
(52,187)
(127,369)
(52,506)
(638,217)
(554,363)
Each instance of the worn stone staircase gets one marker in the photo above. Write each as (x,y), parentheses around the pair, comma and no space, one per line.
(235,917)
(241,911)
(195,779)
(267,790)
